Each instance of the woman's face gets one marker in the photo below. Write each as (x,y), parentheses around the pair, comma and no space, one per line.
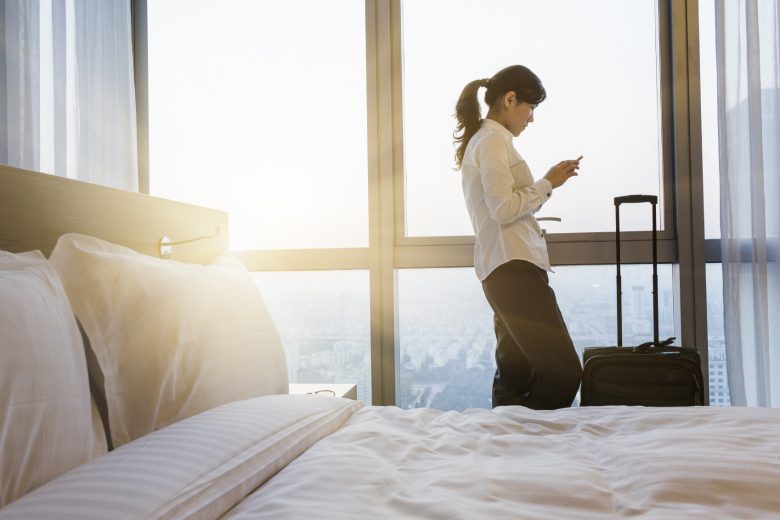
(518,115)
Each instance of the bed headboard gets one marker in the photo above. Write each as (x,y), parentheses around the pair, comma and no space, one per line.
(36,208)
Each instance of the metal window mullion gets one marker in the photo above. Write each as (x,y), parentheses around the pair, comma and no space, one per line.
(140,47)
(379,50)
(305,259)
(4,130)
(563,253)
(689,179)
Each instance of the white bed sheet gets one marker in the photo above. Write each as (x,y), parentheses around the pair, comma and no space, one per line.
(302,457)
(606,462)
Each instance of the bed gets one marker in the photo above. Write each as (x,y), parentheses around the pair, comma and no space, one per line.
(140,387)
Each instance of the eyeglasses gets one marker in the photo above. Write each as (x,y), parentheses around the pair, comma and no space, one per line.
(326,393)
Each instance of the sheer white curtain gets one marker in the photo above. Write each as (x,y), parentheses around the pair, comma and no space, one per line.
(67,99)
(748,62)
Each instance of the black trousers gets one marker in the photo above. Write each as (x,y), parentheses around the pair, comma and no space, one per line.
(536,363)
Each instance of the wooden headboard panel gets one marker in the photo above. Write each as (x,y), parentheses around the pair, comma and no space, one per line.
(36,208)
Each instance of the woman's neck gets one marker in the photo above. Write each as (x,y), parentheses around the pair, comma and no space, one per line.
(497,118)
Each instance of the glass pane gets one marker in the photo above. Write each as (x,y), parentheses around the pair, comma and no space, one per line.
(259,108)
(709,120)
(446,326)
(600,68)
(323,319)
(586,296)
(446,340)
(716,339)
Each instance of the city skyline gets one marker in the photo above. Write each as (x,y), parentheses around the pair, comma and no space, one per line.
(445,333)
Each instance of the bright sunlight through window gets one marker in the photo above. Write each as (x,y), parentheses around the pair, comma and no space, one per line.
(259,108)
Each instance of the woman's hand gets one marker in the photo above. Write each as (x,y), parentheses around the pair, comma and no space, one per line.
(563,171)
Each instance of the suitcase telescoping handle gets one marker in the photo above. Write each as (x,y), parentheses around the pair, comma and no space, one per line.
(634,199)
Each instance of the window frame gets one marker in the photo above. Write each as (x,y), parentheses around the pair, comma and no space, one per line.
(564,248)
(560,255)
(681,237)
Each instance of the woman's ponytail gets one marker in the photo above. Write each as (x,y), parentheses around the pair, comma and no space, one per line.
(469,118)
(515,78)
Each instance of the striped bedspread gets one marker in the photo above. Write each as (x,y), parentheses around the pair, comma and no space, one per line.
(197,468)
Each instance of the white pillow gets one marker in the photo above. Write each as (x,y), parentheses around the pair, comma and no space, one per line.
(172,339)
(46,416)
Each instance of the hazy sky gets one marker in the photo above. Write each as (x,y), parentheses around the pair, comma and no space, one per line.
(259,108)
(709,121)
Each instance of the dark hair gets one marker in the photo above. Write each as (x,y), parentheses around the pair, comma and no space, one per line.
(515,78)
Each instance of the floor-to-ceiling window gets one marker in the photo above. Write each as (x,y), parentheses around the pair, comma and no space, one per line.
(325,129)
(600,64)
(608,84)
(719,390)
(259,109)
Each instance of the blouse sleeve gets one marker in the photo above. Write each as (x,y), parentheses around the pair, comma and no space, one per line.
(505,204)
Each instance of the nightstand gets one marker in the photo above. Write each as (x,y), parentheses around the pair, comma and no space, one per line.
(339,389)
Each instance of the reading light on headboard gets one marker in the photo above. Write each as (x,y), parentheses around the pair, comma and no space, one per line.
(166,246)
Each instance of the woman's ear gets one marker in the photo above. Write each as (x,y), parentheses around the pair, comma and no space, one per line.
(509,99)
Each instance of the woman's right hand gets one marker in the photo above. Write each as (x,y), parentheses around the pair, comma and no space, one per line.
(563,171)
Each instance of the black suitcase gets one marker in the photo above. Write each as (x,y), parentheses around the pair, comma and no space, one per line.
(652,374)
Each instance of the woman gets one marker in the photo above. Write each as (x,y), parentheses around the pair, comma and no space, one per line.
(537,365)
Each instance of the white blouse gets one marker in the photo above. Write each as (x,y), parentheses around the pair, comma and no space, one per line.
(501,197)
